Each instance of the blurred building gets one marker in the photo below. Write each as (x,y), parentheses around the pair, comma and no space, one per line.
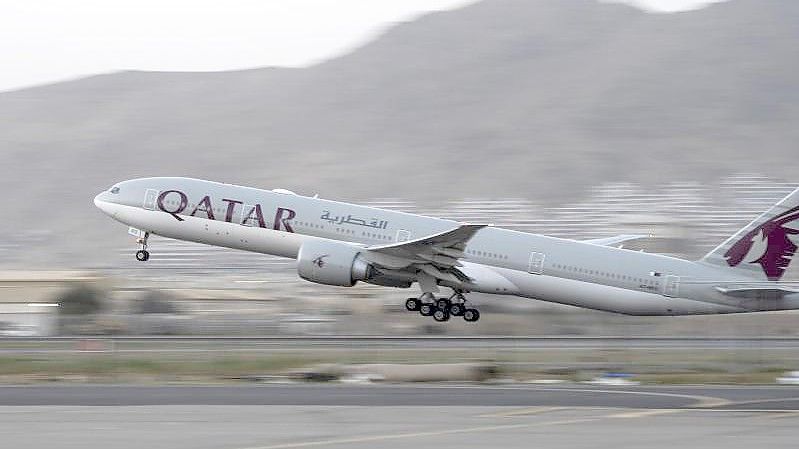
(29,300)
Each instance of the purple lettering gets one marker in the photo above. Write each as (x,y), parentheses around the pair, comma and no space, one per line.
(231,206)
(184,201)
(279,220)
(208,207)
(258,215)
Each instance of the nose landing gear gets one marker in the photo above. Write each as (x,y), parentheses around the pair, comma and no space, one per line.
(142,255)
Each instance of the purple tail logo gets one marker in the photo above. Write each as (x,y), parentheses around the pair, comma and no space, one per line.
(773,242)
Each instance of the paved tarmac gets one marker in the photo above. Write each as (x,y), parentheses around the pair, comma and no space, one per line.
(415,395)
(281,416)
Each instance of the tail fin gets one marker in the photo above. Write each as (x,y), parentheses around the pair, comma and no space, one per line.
(766,246)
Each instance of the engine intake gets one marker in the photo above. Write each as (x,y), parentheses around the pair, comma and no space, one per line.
(332,263)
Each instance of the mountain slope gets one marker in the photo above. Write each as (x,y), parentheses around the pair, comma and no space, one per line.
(539,99)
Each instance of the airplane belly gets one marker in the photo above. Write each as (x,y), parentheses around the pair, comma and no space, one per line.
(486,279)
(211,232)
(607,298)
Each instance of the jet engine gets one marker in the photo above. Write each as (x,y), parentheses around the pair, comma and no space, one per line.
(332,263)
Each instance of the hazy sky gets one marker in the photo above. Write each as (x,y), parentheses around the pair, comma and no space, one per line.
(43,41)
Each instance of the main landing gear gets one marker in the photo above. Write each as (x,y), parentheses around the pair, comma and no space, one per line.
(442,309)
(142,255)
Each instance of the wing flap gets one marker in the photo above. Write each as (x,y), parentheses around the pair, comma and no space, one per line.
(438,274)
(450,252)
(443,240)
(440,260)
(434,255)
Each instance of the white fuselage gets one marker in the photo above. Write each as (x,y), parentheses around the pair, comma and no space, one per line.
(501,261)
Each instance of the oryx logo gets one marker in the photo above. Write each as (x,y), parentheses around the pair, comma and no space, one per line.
(320,261)
(772,245)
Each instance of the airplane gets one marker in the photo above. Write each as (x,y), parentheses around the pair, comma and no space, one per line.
(337,243)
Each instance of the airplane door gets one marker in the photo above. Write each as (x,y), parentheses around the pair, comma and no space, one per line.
(671,285)
(150,198)
(403,235)
(536,265)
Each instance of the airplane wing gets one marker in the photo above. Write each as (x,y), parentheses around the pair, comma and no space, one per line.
(615,240)
(757,292)
(436,255)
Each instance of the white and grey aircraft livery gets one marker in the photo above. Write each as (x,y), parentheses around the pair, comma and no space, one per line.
(337,243)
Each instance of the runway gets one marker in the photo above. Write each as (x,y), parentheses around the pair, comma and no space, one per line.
(410,395)
(282,416)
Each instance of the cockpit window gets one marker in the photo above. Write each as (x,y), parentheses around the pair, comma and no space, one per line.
(114,190)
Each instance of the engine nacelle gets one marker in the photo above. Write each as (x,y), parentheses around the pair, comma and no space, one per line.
(332,263)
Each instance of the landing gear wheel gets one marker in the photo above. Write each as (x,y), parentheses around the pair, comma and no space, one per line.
(427,309)
(457,309)
(142,255)
(441,315)
(471,315)
(444,304)
(413,304)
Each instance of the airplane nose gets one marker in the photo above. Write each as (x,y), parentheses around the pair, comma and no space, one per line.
(100,198)
(102,202)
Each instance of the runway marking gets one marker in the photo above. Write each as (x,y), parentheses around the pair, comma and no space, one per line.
(36,409)
(627,413)
(397,436)
(534,410)
(741,410)
(700,401)
(710,402)
(520,412)
(523,412)
(761,401)
(783,414)
(647,413)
